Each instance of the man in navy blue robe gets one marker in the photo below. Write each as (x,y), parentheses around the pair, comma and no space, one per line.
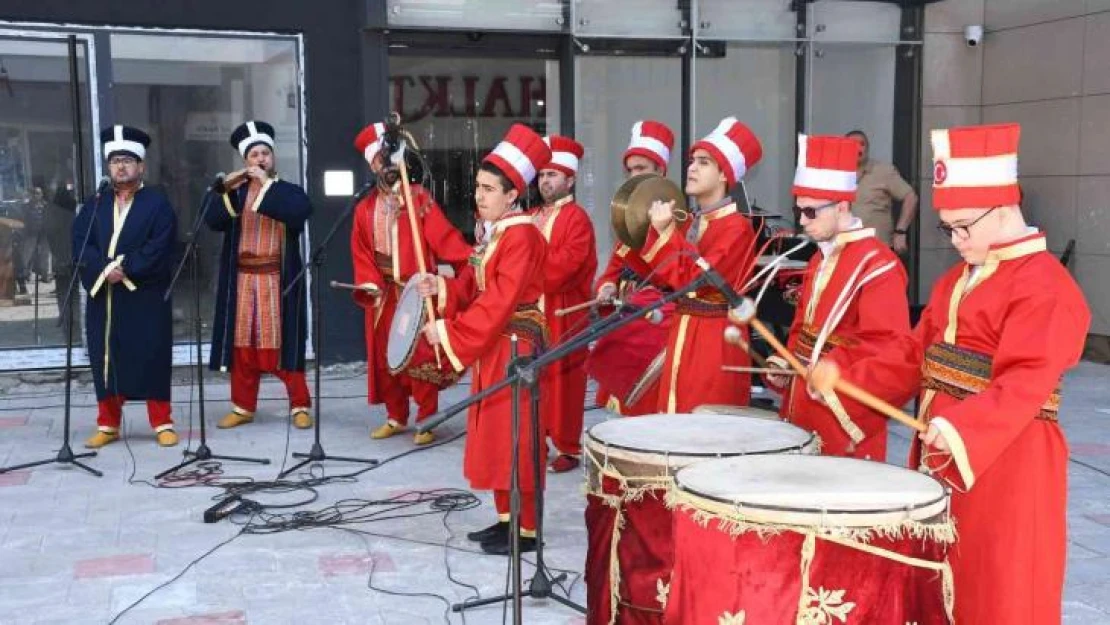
(126,263)
(259,329)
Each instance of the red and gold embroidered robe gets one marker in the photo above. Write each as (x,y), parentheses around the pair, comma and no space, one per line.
(696,349)
(568,271)
(384,255)
(496,296)
(863,283)
(1020,321)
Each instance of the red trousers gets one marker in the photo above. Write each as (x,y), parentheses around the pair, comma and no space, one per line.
(395,390)
(109,413)
(527,508)
(247,366)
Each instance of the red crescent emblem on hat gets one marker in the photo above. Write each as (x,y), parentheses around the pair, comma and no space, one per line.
(940,172)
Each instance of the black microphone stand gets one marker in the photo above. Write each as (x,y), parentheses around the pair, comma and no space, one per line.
(317,453)
(65,454)
(526,372)
(203,452)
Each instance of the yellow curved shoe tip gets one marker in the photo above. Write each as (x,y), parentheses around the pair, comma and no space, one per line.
(424,438)
(302,420)
(166,438)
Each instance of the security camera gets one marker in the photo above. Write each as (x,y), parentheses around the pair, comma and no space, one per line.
(973,35)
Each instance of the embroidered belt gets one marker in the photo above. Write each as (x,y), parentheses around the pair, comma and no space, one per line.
(249,263)
(961,373)
(807,339)
(528,323)
(713,305)
(384,263)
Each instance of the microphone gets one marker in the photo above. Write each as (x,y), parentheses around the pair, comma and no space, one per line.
(718,282)
(105,184)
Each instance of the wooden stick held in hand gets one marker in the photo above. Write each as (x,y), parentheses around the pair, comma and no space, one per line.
(746,315)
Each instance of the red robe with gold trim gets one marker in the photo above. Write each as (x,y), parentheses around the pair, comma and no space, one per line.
(442,243)
(873,312)
(568,270)
(492,298)
(696,349)
(1008,464)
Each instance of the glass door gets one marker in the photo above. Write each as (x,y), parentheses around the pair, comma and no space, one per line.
(39,185)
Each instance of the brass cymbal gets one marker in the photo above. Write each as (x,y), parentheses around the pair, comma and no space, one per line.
(632,203)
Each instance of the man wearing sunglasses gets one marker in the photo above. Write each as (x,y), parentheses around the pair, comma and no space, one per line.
(1000,330)
(853,303)
(725,240)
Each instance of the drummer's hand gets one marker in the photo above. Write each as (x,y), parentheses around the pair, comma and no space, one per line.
(662,214)
(779,382)
(823,377)
(431,333)
(934,438)
(428,285)
(606,294)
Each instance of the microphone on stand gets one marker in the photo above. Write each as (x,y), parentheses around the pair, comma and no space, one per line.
(105,184)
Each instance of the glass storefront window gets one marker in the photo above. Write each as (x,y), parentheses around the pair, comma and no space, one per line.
(189,93)
(37,185)
(457,109)
(613,94)
(754,83)
(854,20)
(627,18)
(763,20)
(529,15)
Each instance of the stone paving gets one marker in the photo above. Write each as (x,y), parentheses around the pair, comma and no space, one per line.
(75,549)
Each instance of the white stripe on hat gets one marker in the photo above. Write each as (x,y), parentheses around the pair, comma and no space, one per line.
(254,137)
(731,151)
(517,159)
(942,149)
(374,146)
(566,159)
(134,147)
(825,179)
(119,144)
(651,144)
(986,171)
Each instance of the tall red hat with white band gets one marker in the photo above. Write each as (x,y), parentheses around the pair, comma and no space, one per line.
(520,155)
(975,166)
(653,140)
(369,141)
(826,168)
(566,153)
(734,146)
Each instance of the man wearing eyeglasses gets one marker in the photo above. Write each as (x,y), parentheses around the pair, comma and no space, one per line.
(125,265)
(853,303)
(1000,330)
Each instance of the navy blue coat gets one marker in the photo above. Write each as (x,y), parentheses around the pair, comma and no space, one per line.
(134,328)
(287,203)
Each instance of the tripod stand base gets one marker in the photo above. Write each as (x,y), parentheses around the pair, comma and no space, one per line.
(316,454)
(541,587)
(65,456)
(204,453)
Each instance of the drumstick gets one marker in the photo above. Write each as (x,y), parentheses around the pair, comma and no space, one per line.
(354,287)
(418,243)
(759,370)
(745,314)
(577,307)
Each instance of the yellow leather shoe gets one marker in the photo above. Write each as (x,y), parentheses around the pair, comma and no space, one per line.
(386,430)
(234,420)
(100,439)
(166,438)
(302,420)
(424,438)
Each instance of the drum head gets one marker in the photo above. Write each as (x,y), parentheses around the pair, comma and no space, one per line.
(815,490)
(739,411)
(404,331)
(670,441)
